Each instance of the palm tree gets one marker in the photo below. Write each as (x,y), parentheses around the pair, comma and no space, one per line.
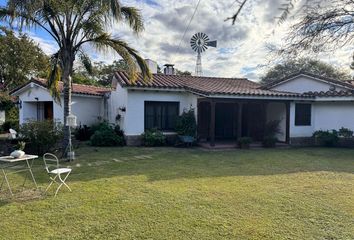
(72,24)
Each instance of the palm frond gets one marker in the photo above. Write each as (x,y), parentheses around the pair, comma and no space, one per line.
(129,54)
(86,62)
(134,18)
(54,76)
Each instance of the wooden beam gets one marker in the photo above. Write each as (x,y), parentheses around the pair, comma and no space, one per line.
(239,120)
(287,133)
(212,123)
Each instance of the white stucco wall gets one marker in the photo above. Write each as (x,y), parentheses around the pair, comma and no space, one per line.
(134,116)
(118,99)
(89,110)
(301,131)
(303,84)
(277,111)
(334,115)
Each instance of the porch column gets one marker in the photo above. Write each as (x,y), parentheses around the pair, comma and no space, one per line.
(239,120)
(287,133)
(212,123)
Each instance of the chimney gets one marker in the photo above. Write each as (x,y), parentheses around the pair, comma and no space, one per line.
(152,65)
(169,69)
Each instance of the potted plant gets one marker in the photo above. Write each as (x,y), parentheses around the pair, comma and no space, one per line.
(244,142)
(19,152)
(186,126)
(270,131)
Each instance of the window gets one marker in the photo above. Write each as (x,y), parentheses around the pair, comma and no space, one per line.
(161,115)
(302,114)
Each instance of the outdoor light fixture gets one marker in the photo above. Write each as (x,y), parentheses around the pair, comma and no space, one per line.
(19,104)
(70,122)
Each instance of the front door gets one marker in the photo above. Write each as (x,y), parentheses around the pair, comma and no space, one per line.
(48,110)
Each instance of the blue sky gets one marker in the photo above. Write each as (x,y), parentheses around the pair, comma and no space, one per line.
(242,48)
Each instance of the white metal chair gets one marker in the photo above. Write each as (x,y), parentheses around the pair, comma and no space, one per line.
(13,133)
(51,163)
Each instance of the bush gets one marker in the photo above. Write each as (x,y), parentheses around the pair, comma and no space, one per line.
(83,133)
(244,142)
(41,137)
(101,126)
(153,138)
(326,138)
(106,138)
(104,134)
(269,141)
(270,131)
(345,132)
(186,124)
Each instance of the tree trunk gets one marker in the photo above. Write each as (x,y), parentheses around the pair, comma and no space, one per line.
(67,65)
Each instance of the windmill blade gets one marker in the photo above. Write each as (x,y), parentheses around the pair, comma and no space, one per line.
(212,44)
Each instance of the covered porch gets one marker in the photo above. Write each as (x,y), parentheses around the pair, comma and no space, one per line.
(225,120)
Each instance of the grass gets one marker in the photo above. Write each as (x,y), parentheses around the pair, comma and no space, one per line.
(168,193)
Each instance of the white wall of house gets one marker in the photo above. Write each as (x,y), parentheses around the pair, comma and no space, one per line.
(303,84)
(133,123)
(277,111)
(88,109)
(301,131)
(333,115)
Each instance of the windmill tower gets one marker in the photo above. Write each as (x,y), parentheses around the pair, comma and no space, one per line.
(199,43)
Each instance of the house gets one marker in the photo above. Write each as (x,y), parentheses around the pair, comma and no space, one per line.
(225,108)
(36,103)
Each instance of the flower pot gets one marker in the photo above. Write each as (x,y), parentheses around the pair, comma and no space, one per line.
(17,154)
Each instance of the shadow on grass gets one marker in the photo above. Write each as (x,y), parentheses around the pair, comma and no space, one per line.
(159,164)
(174,163)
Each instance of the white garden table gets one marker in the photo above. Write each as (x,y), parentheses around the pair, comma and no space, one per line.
(10,165)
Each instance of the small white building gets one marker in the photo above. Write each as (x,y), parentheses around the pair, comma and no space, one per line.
(226,108)
(36,103)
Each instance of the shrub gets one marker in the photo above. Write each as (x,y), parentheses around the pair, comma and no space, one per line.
(345,132)
(186,124)
(269,141)
(106,138)
(101,126)
(153,138)
(244,142)
(326,138)
(118,131)
(105,134)
(41,136)
(270,131)
(83,133)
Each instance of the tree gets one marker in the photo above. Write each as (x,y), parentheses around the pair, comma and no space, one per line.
(304,64)
(101,73)
(21,58)
(183,73)
(324,26)
(73,24)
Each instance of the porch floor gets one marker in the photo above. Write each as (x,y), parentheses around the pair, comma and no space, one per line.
(223,144)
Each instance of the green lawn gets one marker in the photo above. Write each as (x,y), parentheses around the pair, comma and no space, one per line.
(170,193)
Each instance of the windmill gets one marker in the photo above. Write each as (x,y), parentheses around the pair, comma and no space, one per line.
(199,43)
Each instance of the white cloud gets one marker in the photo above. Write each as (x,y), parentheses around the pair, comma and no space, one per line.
(241,48)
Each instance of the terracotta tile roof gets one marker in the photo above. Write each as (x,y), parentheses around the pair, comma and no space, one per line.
(204,85)
(76,88)
(331,93)
(346,84)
